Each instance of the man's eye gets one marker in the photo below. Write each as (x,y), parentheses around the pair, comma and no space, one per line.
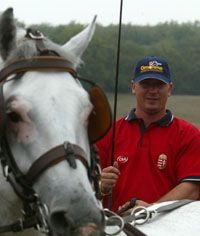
(14,117)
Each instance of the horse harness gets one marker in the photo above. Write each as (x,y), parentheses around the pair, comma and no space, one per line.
(100,119)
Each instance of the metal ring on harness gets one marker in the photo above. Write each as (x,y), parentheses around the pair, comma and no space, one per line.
(137,211)
(111,218)
(43,212)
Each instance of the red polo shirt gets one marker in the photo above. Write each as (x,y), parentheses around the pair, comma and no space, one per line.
(151,160)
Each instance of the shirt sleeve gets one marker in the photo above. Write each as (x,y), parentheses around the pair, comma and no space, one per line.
(188,156)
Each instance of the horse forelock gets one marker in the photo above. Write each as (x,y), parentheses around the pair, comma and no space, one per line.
(26,48)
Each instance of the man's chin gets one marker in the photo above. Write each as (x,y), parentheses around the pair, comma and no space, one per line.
(153,110)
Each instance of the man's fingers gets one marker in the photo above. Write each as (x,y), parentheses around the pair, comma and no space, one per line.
(115,164)
(111,169)
(109,182)
(109,176)
(142,203)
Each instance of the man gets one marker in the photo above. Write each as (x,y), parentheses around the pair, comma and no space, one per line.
(157,155)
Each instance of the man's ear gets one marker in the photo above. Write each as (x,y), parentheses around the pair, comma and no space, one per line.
(133,87)
(170,89)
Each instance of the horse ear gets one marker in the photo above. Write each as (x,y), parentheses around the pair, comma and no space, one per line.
(79,42)
(7,33)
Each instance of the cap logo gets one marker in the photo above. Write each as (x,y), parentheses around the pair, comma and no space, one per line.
(153,66)
(122,159)
(155,63)
(162,161)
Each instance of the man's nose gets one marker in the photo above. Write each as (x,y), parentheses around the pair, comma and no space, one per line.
(153,88)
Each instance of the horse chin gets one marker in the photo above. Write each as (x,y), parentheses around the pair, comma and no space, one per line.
(89,230)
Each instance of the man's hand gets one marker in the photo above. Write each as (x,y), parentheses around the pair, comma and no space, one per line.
(109,177)
(128,207)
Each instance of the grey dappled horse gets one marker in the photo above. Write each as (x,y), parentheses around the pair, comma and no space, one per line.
(45,106)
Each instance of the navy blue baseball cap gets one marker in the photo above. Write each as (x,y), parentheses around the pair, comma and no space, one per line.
(152,67)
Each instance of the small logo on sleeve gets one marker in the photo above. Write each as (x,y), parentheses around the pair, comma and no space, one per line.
(122,159)
(162,161)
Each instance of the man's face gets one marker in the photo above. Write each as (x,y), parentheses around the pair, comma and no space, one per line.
(151,95)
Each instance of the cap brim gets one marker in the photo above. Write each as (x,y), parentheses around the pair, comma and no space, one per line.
(152,76)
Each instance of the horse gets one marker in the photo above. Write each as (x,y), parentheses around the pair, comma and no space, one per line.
(48,123)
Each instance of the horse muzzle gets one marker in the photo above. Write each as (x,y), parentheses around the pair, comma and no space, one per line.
(65,223)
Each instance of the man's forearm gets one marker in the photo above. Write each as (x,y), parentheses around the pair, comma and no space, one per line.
(185,190)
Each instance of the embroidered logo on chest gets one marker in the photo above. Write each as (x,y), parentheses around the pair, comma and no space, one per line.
(122,159)
(162,161)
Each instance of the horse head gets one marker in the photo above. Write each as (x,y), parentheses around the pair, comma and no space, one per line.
(46,152)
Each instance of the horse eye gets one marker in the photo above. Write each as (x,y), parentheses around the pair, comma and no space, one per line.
(14,117)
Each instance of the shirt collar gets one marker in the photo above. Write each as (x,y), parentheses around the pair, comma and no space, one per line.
(165,121)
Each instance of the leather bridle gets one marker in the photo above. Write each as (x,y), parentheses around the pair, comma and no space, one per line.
(34,210)
(34,215)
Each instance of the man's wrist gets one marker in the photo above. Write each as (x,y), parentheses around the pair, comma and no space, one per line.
(102,192)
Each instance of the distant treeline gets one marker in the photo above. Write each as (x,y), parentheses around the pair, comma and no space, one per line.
(179,44)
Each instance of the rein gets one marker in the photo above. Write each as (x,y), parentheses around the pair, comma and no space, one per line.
(140,215)
(113,219)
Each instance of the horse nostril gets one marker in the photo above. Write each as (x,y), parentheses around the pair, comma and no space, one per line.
(61,223)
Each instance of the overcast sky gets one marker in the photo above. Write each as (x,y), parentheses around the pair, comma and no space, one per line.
(140,12)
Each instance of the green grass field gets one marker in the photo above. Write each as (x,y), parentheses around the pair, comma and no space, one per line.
(185,107)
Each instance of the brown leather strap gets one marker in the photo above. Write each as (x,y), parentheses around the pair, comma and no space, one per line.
(53,157)
(130,230)
(130,205)
(51,63)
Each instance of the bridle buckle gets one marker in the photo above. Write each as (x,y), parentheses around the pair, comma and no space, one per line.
(34,34)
